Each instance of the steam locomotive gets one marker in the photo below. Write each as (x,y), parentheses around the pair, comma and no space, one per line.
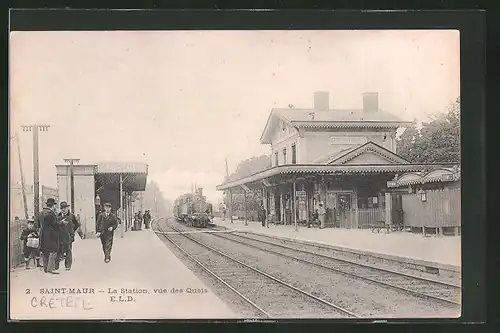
(193,209)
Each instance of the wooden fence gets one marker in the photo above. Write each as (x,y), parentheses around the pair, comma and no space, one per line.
(370,216)
(441,209)
(16,245)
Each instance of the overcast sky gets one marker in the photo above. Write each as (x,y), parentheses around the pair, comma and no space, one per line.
(183,101)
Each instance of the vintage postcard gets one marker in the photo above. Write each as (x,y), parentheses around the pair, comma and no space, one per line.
(235,174)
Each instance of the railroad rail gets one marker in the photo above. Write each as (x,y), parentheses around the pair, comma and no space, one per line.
(279,300)
(418,286)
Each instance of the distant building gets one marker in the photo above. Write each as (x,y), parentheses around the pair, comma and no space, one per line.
(16,199)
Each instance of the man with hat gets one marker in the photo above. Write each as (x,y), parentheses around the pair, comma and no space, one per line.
(67,234)
(321,214)
(50,236)
(106,225)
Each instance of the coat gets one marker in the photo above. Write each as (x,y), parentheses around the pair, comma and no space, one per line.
(28,233)
(68,230)
(104,222)
(50,231)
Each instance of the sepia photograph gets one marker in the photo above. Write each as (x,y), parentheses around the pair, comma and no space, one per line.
(250,175)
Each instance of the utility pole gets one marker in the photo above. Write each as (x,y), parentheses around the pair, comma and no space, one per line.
(230,195)
(23,190)
(122,211)
(36,183)
(71,162)
(295,205)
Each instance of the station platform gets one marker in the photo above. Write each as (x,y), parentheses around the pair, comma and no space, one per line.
(412,248)
(140,261)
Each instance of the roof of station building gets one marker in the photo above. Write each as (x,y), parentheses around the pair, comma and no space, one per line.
(332,118)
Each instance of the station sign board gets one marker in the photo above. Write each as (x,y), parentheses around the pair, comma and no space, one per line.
(301,194)
(447,177)
(347,140)
(115,167)
(391,183)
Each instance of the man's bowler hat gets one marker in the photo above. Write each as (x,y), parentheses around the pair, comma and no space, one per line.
(63,204)
(50,202)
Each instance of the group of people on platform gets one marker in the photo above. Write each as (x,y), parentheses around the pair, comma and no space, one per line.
(318,217)
(49,240)
(140,218)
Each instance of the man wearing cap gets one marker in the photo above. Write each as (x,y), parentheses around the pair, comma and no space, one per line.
(321,215)
(106,225)
(67,234)
(50,236)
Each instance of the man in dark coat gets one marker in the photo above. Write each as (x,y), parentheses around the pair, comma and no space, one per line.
(147,219)
(50,236)
(262,215)
(68,234)
(106,225)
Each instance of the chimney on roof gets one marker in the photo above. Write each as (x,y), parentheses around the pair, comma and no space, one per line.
(370,102)
(321,100)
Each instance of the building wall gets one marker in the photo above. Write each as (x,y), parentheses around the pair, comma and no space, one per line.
(16,201)
(320,144)
(84,187)
(284,137)
(312,145)
(368,158)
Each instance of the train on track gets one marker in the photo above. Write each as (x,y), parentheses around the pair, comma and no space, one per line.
(193,209)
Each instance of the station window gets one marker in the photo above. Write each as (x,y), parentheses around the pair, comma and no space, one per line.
(294,154)
(284,156)
(276,162)
(368,202)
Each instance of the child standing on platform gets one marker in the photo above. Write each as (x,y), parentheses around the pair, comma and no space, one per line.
(31,242)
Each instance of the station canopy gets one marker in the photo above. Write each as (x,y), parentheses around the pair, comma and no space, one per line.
(134,175)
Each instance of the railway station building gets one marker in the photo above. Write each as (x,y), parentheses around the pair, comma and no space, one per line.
(342,158)
(94,185)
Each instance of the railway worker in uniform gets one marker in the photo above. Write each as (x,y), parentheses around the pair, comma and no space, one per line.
(50,236)
(147,219)
(106,225)
(321,215)
(262,214)
(68,234)
(139,220)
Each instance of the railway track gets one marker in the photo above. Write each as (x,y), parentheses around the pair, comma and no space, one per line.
(429,289)
(268,295)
